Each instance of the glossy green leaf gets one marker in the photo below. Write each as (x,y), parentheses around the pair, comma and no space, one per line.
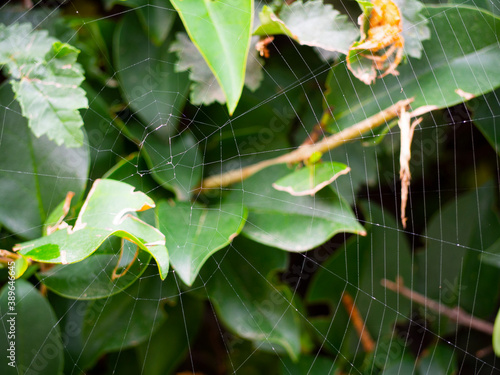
(460,59)
(104,138)
(485,110)
(204,87)
(169,345)
(154,91)
(35,174)
(93,277)
(311,178)
(439,360)
(266,314)
(130,171)
(278,219)
(108,210)
(492,255)
(38,348)
(176,164)
(157,16)
(46,80)
(311,23)
(123,320)
(358,269)
(221,31)
(450,270)
(308,364)
(496,335)
(193,233)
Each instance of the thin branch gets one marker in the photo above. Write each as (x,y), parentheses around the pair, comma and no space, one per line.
(304,152)
(358,323)
(454,313)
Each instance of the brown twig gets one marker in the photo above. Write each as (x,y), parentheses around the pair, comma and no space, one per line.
(454,313)
(358,323)
(304,152)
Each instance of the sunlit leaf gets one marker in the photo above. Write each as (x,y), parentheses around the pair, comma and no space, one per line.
(108,210)
(46,80)
(311,178)
(311,23)
(193,233)
(204,87)
(278,219)
(221,32)
(94,276)
(35,173)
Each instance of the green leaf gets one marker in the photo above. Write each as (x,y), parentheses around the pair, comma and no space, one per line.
(492,255)
(496,335)
(35,174)
(485,110)
(162,354)
(308,364)
(205,89)
(108,210)
(415,26)
(312,23)
(460,58)
(193,233)
(311,179)
(439,360)
(221,31)
(266,314)
(154,91)
(104,138)
(93,277)
(175,164)
(358,268)
(46,80)
(450,270)
(287,222)
(38,348)
(123,320)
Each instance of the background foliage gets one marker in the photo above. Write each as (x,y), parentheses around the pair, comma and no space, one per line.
(131,104)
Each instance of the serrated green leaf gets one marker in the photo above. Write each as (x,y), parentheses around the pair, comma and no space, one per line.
(311,179)
(108,210)
(266,314)
(291,223)
(311,23)
(193,233)
(37,338)
(154,91)
(35,174)
(204,87)
(46,79)
(460,60)
(92,278)
(221,31)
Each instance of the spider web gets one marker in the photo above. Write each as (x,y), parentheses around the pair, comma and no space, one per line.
(454,172)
